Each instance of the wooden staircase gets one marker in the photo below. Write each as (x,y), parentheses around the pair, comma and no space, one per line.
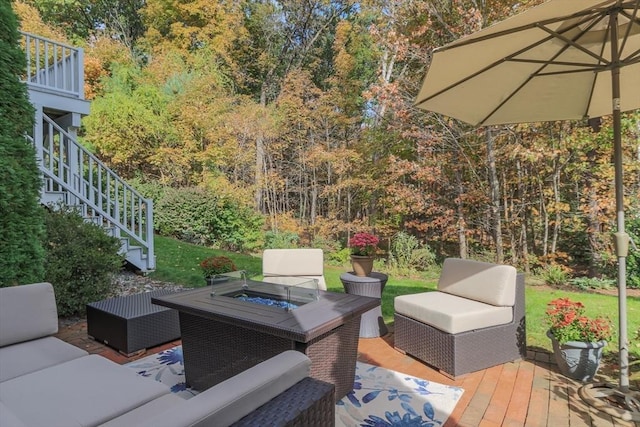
(73,176)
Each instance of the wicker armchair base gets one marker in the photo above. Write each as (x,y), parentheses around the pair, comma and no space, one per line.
(308,403)
(457,354)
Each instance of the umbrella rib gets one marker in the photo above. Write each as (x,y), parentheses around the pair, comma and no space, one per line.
(591,17)
(579,65)
(573,43)
(544,64)
(633,58)
(488,67)
(633,19)
(584,13)
(556,35)
(552,35)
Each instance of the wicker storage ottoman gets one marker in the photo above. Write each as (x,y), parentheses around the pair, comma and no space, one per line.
(132,323)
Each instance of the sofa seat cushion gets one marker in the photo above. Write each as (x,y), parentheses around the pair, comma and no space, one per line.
(87,391)
(481,281)
(139,415)
(31,356)
(450,313)
(8,418)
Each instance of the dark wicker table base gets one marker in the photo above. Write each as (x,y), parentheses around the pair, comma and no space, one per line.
(214,351)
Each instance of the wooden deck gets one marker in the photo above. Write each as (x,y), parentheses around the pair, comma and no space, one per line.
(529,392)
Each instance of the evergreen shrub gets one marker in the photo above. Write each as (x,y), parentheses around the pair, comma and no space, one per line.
(81,260)
(21,220)
(326,243)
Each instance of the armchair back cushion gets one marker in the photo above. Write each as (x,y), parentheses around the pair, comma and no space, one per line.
(480,281)
(27,312)
(303,262)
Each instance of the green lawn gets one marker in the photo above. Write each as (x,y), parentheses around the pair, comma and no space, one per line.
(178,262)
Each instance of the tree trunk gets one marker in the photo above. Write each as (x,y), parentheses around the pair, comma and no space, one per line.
(556,198)
(524,246)
(496,222)
(545,221)
(259,172)
(461,224)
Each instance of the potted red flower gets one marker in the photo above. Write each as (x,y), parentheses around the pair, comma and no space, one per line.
(577,340)
(213,267)
(363,248)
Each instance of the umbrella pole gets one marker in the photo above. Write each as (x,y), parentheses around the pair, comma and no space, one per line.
(620,402)
(621,238)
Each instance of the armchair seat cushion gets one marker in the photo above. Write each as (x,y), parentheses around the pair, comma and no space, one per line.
(451,313)
(31,356)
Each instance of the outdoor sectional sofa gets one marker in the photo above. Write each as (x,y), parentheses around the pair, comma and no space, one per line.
(47,382)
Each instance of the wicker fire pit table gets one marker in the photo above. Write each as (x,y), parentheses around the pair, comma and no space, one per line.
(223,335)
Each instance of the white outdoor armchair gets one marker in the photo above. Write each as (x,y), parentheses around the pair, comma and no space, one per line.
(304,262)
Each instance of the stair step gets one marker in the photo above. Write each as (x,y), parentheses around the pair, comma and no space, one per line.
(53,197)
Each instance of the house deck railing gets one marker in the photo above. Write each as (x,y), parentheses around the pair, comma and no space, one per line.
(53,66)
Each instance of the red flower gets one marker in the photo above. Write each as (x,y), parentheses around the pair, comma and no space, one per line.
(216,265)
(568,323)
(363,244)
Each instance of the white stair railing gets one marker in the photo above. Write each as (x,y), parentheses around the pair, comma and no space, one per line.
(90,185)
(53,65)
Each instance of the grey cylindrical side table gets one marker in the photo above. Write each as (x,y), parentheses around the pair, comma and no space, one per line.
(372,324)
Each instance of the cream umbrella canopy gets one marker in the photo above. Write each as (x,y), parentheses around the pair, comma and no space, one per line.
(564,59)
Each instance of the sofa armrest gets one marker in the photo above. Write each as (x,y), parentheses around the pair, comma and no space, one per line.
(310,402)
(234,398)
(27,312)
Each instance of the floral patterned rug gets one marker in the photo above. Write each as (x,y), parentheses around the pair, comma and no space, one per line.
(381,397)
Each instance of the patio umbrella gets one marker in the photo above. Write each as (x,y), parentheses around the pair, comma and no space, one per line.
(564,59)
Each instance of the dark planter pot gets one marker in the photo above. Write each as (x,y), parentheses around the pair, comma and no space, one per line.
(577,360)
(216,279)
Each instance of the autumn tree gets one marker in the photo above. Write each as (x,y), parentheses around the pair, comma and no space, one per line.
(84,20)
